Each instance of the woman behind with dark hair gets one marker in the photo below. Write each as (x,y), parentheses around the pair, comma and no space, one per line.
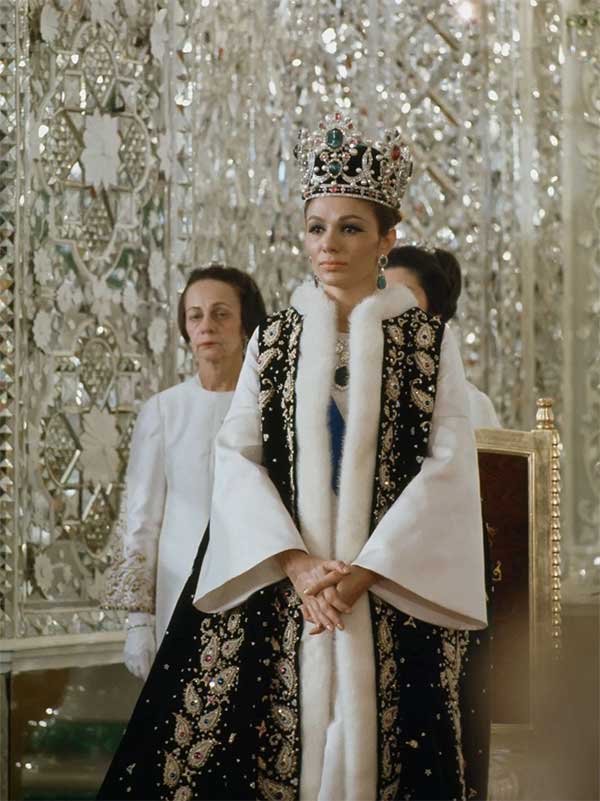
(434,277)
(169,477)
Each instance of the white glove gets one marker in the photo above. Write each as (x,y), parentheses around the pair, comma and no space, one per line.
(140,644)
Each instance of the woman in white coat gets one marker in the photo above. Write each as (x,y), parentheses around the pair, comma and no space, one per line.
(170,472)
(433,276)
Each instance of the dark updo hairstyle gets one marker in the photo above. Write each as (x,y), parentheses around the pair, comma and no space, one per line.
(251,300)
(386,217)
(438,274)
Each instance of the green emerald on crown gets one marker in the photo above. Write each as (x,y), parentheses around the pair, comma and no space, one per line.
(334,138)
(335,167)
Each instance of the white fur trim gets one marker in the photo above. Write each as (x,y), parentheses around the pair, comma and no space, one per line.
(354,646)
(313,389)
(316,364)
(316,702)
(362,426)
(347,665)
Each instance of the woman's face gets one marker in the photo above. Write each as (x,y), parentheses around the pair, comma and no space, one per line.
(213,320)
(401,275)
(344,243)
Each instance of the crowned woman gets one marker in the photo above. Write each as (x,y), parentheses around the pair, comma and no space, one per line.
(317,649)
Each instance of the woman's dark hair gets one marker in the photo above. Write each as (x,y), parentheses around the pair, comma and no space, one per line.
(438,274)
(386,217)
(251,300)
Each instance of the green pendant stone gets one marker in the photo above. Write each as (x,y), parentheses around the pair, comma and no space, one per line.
(381,282)
(334,138)
(335,168)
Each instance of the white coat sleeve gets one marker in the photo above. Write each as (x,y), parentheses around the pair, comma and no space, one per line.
(481,410)
(249,524)
(131,579)
(428,547)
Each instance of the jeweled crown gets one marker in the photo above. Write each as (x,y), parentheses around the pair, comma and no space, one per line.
(337,160)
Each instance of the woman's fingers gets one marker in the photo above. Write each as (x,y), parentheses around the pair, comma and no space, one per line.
(333,597)
(336,564)
(330,580)
(322,614)
(330,613)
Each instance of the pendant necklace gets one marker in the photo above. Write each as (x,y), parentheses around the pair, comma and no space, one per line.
(341,377)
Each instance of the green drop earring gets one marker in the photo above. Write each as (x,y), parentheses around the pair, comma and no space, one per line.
(382,263)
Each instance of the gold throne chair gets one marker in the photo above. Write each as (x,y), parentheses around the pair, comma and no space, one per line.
(520,492)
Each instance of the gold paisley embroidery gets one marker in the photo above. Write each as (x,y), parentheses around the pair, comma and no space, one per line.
(285,763)
(183,730)
(274,791)
(397,335)
(223,681)
(284,717)
(387,698)
(210,654)
(266,357)
(388,439)
(277,383)
(387,760)
(230,647)
(391,791)
(389,717)
(425,363)
(384,475)
(425,337)
(220,642)
(288,387)
(287,674)
(392,387)
(422,399)
(183,794)
(388,672)
(264,397)
(272,333)
(279,752)
(290,636)
(191,699)
(172,771)
(209,720)
(233,623)
(454,645)
(199,753)
(384,636)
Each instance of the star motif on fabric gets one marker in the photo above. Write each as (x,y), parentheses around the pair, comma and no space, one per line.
(262,729)
(427,772)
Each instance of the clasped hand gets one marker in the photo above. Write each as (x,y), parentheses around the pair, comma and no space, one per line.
(328,588)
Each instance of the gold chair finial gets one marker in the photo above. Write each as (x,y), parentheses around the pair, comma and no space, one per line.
(544,418)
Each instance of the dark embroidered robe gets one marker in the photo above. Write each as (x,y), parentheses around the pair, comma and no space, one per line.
(219,717)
